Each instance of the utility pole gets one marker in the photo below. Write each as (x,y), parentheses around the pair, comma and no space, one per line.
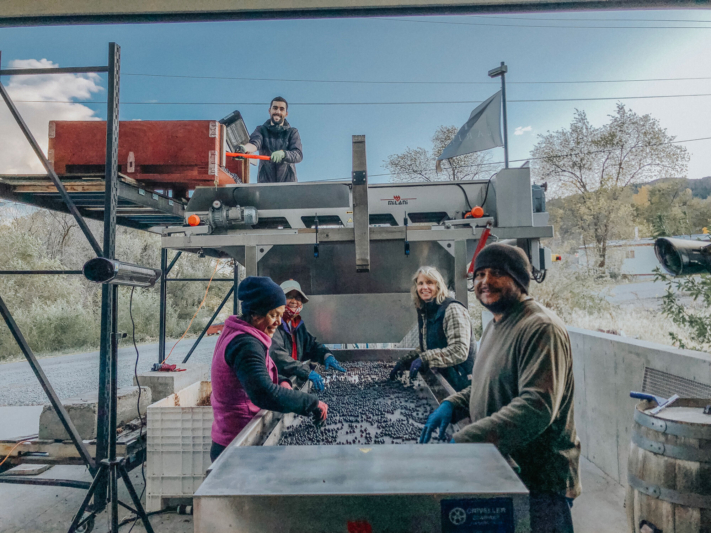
(495,73)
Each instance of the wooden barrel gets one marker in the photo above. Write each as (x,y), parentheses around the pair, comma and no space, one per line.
(669,469)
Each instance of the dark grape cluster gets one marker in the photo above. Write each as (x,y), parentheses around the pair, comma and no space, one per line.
(365,407)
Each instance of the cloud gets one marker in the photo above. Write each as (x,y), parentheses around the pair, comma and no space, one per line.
(521,130)
(16,155)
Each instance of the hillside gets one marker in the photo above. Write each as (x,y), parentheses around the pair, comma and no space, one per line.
(700,188)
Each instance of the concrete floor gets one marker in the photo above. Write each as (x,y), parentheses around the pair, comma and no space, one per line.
(25,509)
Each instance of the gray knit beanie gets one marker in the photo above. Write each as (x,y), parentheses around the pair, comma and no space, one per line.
(510,259)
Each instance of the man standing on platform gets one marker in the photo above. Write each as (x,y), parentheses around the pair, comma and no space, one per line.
(277,139)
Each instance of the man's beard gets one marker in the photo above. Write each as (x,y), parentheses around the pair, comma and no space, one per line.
(277,120)
(503,304)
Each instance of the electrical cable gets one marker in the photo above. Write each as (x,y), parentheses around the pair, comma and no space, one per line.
(552,156)
(424,102)
(138,402)
(12,450)
(196,312)
(400,82)
(585,19)
(465,196)
(498,25)
(411,82)
(486,192)
(134,519)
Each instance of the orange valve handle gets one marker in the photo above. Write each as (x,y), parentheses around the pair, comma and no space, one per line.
(193,220)
(248,156)
(476,212)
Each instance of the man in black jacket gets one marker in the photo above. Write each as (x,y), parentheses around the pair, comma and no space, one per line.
(294,350)
(277,139)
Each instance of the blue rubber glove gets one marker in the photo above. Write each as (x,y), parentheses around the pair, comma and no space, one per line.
(277,156)
(317,381)
(331,362)
(415,367)
(441,418)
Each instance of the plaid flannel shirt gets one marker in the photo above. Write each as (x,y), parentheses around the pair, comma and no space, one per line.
(458,330)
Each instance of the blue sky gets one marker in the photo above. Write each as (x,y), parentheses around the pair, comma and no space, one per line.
(412,49)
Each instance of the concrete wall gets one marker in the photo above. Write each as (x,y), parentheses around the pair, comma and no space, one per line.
(606,369)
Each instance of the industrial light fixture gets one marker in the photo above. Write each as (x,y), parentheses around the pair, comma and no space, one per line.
(683,256)
(102,270)
(236,130)
(498,71)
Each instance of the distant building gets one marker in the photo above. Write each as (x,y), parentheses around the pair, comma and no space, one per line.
(636,256)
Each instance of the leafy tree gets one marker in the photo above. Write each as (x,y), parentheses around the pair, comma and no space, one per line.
(418,164)
(58,313)
(670,208)
(696,320)
(600,163)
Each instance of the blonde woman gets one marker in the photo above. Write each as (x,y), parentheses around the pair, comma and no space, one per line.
(445,329)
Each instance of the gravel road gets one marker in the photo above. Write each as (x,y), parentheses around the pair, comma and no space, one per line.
(75,374)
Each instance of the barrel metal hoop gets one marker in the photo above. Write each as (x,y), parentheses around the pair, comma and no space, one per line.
(670,427)
(668,495)
(685,453)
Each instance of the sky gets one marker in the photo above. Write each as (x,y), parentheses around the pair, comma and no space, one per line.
(451,54)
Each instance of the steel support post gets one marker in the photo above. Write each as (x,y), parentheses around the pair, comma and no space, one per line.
(235,286)
(165,269)
(46,385)
(460,272)
(108,292)
(163,302)
(250,260)
(212,319)
(361,216)
(506,126)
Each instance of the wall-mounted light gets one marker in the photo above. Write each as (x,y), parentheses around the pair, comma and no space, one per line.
(102,270)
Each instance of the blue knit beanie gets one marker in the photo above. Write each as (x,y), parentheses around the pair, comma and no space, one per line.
(259,295)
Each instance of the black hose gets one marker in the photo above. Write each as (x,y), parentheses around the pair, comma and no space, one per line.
(465,196)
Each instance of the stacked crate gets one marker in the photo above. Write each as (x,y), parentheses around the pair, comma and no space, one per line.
(179,444)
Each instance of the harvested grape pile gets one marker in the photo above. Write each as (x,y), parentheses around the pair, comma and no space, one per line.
(364,407)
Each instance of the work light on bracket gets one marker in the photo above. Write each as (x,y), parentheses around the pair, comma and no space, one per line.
(102,270)
(683,256)
(236,130)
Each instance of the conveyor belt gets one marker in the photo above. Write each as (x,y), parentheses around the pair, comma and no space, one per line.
(138,207)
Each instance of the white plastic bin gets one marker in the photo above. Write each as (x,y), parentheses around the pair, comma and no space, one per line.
(178,445)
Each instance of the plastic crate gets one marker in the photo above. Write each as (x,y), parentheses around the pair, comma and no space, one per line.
(178,448)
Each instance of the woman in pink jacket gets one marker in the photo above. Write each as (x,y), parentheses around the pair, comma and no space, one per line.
(244,377)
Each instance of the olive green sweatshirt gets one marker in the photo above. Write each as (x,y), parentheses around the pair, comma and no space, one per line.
(521,398)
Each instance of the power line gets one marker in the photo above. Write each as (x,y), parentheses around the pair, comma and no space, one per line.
(586,19)
(554,156)
(410,82)
(548,25)
(443,102)
(404,82)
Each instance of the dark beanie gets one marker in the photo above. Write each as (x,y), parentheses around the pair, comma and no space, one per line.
(510,259)
(259,295)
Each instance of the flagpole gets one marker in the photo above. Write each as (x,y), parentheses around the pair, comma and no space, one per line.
(501,71)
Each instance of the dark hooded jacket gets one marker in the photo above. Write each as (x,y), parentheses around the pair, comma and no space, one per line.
(269,138)
(308,350)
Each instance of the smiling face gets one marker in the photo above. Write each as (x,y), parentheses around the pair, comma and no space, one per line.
(269,322)
(495,289)
(278,112)
(426,288)
(294,300)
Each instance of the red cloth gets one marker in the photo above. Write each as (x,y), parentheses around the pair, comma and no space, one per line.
(293,324)
(231,406)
